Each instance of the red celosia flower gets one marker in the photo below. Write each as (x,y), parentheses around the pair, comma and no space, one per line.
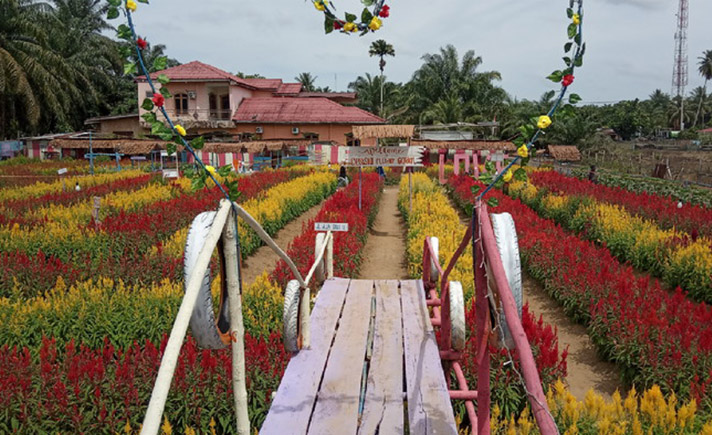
(385,11)
(141,43)
(568,79)
(158,99)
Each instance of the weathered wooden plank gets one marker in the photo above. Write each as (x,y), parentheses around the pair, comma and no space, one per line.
(336,410)
(383,407)
(292,406)
(429,408)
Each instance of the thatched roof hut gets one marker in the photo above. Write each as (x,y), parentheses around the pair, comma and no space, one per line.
(564,153)
(476,145)
(124,146)
(383,131)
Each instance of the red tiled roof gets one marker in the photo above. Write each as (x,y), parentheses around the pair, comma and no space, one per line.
(292,110)
(199,71)
(264,84)
(290,88)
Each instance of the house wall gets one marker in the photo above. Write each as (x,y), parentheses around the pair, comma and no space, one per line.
(202,90)
(326,132)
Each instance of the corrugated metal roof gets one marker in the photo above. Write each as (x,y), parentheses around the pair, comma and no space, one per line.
(292,110)
(264,84)
(289,88)
(198,71)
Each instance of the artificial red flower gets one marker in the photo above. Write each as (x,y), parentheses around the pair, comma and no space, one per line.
(385,11)
(338,25)
(158,99)
(141,43)
(568,79)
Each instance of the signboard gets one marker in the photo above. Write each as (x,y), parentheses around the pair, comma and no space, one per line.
(384,156)
(498,156)
(62,171)
(330,226)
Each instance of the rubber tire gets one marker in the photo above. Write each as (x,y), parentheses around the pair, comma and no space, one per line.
(208,332)
(290,317)
(505,234)
(434,275)
(457,316)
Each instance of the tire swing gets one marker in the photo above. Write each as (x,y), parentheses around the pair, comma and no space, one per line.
(457,316)
(290,317)
(505,234)
(209,332)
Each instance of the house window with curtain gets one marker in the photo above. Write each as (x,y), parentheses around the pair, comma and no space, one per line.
(181,101)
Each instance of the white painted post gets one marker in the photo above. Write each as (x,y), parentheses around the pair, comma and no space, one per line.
(304,318)
(318,244)
(152,420)
(330,256)
(237,334)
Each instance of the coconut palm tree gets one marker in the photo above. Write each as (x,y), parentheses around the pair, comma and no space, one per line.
(381,49)
(705,70)
(307,80)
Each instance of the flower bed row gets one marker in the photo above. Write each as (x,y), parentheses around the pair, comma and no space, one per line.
(656,337)
(678,258)
(433,216)
(662,210)
(122,247)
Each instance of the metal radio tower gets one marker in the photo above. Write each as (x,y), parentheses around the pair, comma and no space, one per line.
(679,73)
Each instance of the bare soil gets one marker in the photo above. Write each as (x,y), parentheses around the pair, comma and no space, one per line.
(586,369)
(264,259)
(384,254)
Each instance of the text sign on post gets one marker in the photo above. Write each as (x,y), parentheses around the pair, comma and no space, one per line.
(384,156)
(330,226)
(62,171)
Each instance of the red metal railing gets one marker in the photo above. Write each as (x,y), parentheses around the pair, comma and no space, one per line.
(484,250)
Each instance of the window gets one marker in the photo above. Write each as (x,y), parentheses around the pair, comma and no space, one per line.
(181,104)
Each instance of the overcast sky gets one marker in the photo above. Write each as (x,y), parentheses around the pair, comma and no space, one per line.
(630,43)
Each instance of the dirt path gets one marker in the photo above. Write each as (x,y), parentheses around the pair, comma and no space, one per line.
(586,369)
(264,259)
(384,254)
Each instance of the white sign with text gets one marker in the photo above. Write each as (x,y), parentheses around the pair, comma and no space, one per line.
(330,226)
(62,171)
(384,156)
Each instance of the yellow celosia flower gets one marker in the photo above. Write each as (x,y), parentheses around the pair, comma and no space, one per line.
(131,5)
(523,151)
(375,23)
(179,128)
(166,427)
(543,122)
(576,19)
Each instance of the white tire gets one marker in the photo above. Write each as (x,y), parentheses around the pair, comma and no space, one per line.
(457,316)
(209,332)
(290,317)
(505,234)
(434,275)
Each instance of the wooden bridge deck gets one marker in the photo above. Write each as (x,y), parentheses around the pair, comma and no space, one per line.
(373,366)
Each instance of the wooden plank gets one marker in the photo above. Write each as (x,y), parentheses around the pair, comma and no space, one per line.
(383,407)
(429,408)
(292,406)
(336,410)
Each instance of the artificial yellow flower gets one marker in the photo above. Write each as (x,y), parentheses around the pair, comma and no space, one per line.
(375,23)
(320,6)
(131,5)
(544,122)
(179,128)
(349,27)
(507,177)
(210,169)
(577,19)
(523,151)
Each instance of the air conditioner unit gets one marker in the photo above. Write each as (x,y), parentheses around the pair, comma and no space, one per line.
(295,130)
(149,94)
(191,95)
(259,130)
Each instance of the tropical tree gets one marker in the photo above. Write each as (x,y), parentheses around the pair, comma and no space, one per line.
(705,70)
(381,49)
(369,87)
(307,80)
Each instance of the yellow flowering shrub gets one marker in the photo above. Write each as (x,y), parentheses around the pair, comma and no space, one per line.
(433,216)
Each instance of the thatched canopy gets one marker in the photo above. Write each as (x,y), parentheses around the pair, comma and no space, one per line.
(476,145)
(124,146)
(383,131)
(253,146)
(564,153)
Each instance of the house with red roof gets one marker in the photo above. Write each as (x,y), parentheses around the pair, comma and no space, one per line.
(208,100)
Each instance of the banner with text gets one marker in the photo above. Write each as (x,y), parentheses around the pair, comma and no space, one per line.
(384,156)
